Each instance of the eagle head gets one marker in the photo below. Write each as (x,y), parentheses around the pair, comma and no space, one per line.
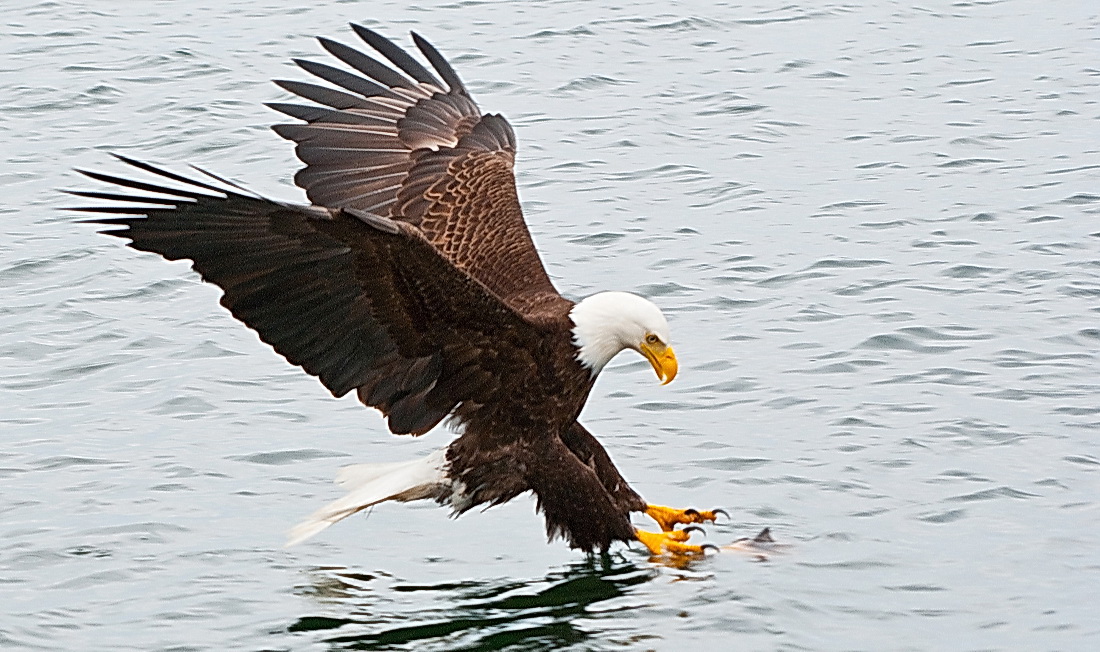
(608,322)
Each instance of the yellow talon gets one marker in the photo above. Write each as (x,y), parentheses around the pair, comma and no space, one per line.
(671,542)
(668,518)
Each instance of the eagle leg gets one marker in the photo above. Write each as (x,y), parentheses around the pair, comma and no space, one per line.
(670,542)
(668,517)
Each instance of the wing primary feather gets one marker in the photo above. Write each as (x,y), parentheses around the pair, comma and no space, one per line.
(92,194)
(346,80)
(300,111)
(227,182)
(365,64)
(115,210)
(314,114)
(148,187)
(396,56)
(440,64)
(141,165)
(322,95)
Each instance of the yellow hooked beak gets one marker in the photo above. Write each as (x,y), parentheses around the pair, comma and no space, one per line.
(662,358)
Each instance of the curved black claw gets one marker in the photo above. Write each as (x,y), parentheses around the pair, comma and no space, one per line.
(721,511)
(694,528)
(710,545)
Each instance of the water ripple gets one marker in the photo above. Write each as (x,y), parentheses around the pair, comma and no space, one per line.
(875,240)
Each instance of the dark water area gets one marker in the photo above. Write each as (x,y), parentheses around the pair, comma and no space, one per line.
(875,229)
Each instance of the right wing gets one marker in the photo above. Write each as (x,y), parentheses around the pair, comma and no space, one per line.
(360,301)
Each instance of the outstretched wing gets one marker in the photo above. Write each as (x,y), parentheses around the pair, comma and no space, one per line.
(399,142)
(361,302)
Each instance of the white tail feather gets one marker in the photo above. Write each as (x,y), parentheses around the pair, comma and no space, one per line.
(370,484)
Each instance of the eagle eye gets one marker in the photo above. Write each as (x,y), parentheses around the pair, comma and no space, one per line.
(652,339)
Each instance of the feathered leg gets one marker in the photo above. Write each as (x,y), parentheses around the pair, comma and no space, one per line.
(670,540)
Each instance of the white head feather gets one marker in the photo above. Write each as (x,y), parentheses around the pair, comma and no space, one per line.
(608,322)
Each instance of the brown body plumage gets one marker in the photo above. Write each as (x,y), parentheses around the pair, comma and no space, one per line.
(412,279)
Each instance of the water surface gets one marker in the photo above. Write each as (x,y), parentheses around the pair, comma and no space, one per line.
(874,227)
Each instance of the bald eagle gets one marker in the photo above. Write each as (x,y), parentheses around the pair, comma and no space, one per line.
(412,280)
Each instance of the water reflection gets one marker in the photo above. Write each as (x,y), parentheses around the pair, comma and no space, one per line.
(545,613)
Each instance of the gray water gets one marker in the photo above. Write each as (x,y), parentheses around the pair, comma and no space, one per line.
(874,227)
